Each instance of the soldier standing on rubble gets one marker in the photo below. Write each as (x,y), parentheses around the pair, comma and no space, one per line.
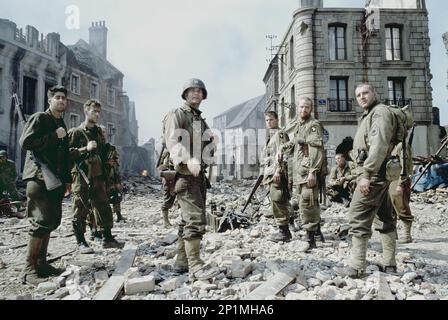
(274,171)
(45,139)
(307,151)
(371,203)
(87,148)
(189,146)
(169,196)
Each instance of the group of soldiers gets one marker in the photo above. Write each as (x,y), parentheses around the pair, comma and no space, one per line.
(60,162)
(369,185)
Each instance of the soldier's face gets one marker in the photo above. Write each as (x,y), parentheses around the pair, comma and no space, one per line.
(271,122)
(365,97)
(340,161)
(194,96)
(93,114)
(2,159)
(58,102)
(305,108)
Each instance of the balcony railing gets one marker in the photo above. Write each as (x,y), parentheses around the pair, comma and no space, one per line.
(400,102)
(340,105)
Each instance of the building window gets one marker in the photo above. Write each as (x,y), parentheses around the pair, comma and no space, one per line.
(337,42)
(393,43)
(292,109)
(111,97)
(74,120)
(75,84)
(291,53)
(282,69)
(338,101)
(282,113)
(94,90)
(111,133)
(396,92)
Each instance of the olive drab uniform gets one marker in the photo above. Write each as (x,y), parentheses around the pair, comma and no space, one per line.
(372,147)
(113,180)
(169,196)
(401,202)
(93,197)
(185,139)
(8,177)
(341,183)
(307,158)
(44,207)
(279,193)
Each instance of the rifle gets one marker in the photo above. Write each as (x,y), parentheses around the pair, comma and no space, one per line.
(160,155)
(254,189)
(444,144)
(51,180)
(404,169)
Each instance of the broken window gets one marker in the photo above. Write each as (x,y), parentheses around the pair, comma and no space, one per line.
(338,101)
(291,53)
(337,42)
(75,84)
(393,43)
(111,97)
(94,90)
(29,95)
(111,133)
(74,120)
(396,91)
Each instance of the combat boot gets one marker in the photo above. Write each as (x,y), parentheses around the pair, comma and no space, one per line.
(199,270)
(109,242)
(284,235)
(166,221)
(389,243)
(181,263)
(319,234)
(407,238)
(358,257)
(83,246)
(31,274)
(96,235)
(43,266)
(120,217)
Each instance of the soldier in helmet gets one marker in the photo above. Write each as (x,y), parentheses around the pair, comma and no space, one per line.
(169,196)
(8,177)
(191,146)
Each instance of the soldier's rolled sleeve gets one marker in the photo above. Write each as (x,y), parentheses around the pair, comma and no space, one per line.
(179,153)
(379,139)
(35,137)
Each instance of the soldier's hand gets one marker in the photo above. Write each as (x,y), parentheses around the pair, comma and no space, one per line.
(400,190)
(277,178)
(194,165)
(61,133)
(91,146)
(364,186)
(312,180)
(68,190)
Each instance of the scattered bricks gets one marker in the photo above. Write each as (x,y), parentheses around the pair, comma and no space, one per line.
(101,277)
(138,285)
(240,269)
(46,287)
(76,296)
(409,277)
(327,293)
(172,284)
(182,293)
(323,276)
(132,273)
(248,287)
(313,282)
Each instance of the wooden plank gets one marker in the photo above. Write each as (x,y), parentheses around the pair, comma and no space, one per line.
(384,292)
(60,256)
(114,285)
(273,286)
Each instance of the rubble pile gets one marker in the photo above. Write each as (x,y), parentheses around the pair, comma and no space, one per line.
(247,260)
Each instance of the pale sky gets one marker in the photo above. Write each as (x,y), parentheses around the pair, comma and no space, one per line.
(160,44)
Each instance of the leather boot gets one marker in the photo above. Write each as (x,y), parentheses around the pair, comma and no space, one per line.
(166,221)
(199,270)
(109,242)
(43,266)
(358,257)
(83,246)
(389,243)
(31,274)
(407,238)
(284,235)
(181,263)
(120,217)
(319,234)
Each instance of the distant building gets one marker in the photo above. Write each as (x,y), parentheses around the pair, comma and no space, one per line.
(327,52)
(241,146)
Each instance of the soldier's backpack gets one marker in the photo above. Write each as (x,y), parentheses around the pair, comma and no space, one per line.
(404,121)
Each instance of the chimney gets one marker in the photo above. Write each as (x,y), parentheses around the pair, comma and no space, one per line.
(98,38)
(311,4)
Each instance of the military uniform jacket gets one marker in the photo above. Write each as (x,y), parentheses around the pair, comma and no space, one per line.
(269,162)
(336,173)
(112,171)
(307,159)
(39,136)
(374,135)
(92,163)
(193,140)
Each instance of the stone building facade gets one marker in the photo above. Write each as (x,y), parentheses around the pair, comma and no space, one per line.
(30,64)
(326,52)
(445,41)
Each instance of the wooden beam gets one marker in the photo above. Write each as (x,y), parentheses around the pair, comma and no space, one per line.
(384,292)
(273,286)
(114,285)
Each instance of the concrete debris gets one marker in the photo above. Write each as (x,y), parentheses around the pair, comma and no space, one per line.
(139,285)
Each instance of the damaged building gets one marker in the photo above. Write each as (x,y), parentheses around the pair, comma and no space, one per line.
(30,64)
(327,52)
(242,141)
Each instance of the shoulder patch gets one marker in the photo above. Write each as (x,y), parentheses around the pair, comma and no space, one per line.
(374,131)
(313,129)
